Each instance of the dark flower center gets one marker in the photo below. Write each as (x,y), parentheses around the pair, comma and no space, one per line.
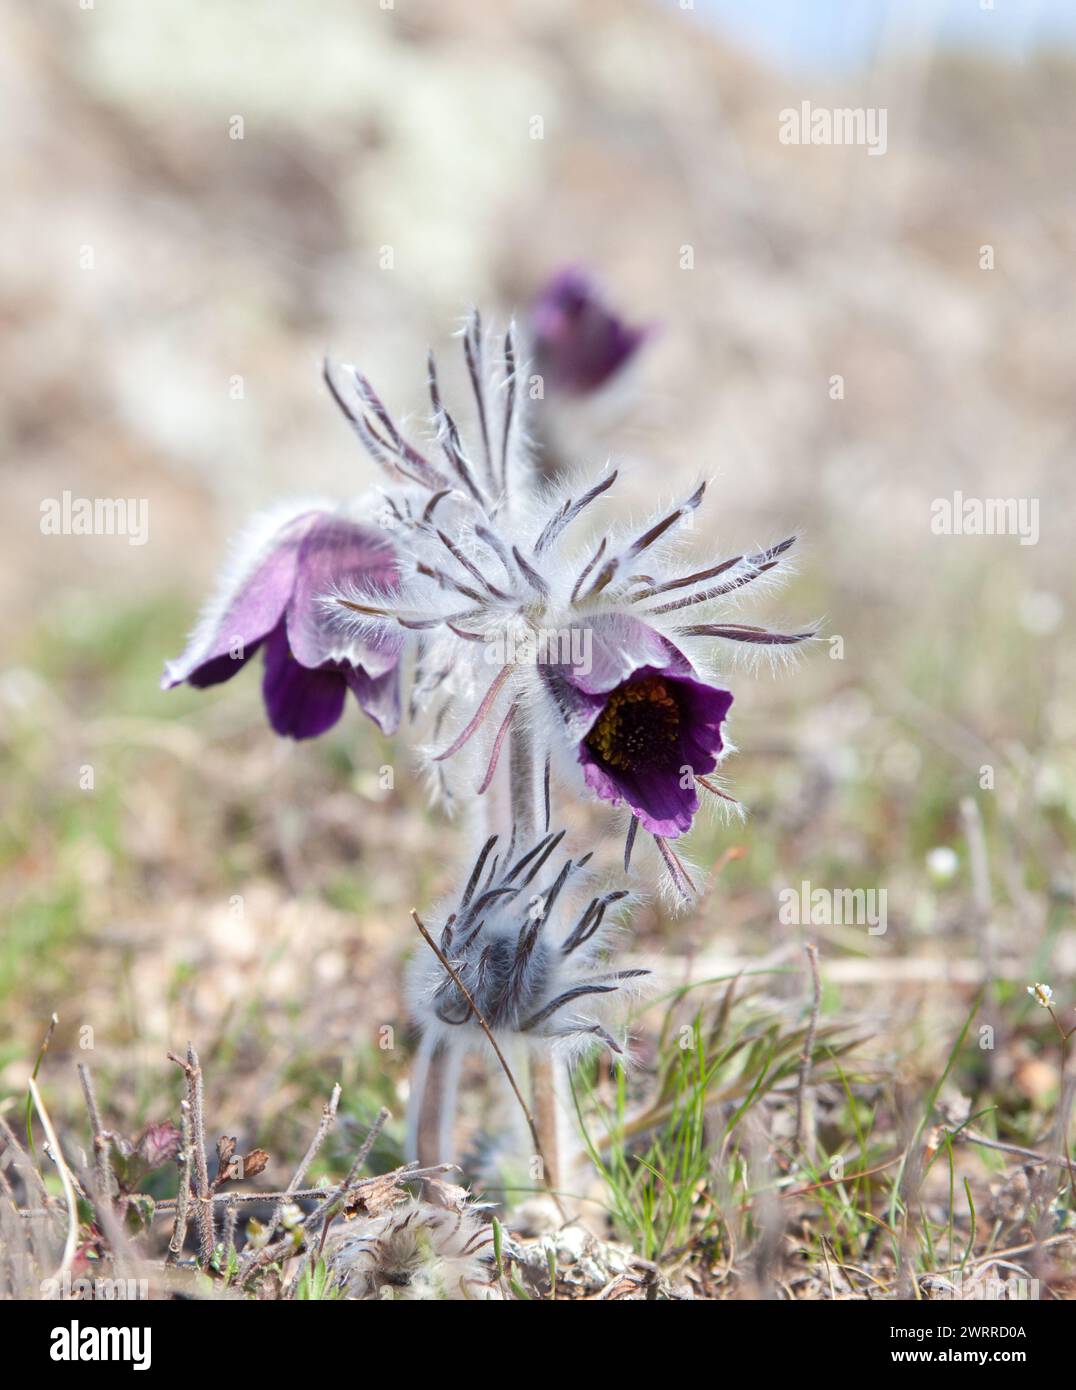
(638,727)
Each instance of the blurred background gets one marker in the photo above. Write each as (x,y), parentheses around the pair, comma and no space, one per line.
(201,200)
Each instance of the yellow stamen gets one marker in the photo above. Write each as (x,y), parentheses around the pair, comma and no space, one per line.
(639,723)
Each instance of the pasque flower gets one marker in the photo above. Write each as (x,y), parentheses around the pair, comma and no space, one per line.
(579,343)
(526,939)
(586,661)
(645,725)
(524,949)
(599,653)
(273,597)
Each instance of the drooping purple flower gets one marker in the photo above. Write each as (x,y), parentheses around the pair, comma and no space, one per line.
(275,600)
(579,344)
(643,724)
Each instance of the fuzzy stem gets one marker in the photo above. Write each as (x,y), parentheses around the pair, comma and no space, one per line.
(424,1102)
(513,813)
(524,785)
(451,1067)
(525,794)
(544,1100)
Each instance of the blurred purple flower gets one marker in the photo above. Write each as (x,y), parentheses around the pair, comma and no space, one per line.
(579,344)
(643,724)
(275,599)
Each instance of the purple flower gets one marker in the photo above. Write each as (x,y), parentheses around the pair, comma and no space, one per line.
(276,600)
(578,343)
(642,723)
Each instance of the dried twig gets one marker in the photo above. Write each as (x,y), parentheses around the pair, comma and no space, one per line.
(383,1117)
(203,1209)
(328,1119)
(31,1177)
(305,1194)
(1030,1156)
(182,1202)
(259,1257)
(101,1140)
(231,1213)
(65,1178)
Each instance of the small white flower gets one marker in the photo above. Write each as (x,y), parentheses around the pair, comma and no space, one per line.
(291,1215)
(1042,994)
(942,864)
(257,1235)
(1041,613)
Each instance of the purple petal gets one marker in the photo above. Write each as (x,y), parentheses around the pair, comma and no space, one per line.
(614,648)
(618,645)
(223,643)
(301,703)
(579,343)
(662,805)
(217,669)
(337,553)
(378,696)
(705,708)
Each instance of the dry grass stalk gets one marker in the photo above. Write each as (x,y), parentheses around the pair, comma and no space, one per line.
(803,1105)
